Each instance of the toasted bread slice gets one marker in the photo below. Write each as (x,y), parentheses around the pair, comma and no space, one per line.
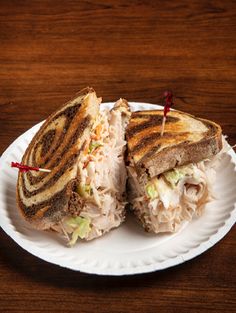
(43,197)
(186,139)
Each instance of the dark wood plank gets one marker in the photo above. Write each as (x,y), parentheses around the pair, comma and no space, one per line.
(132,49)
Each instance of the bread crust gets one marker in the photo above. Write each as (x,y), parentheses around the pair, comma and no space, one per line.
(183,154)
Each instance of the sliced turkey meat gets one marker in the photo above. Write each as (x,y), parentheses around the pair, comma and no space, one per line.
(174,196)
(101,178)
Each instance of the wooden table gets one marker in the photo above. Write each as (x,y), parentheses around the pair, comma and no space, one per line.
(132,49)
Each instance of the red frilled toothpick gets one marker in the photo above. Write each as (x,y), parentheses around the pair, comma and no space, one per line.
(168,98)
(26,168)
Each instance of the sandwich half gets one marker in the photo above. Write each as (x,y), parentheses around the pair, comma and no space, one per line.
(170,176)
(84,194)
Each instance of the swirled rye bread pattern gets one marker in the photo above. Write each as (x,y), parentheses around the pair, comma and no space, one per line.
(186,139)
(43,198)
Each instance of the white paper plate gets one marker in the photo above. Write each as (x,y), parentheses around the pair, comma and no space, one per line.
(128,249)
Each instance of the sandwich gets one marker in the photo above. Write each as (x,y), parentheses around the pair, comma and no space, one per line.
(82,147)
(170,177)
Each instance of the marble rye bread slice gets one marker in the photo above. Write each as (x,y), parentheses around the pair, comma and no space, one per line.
(43,198)
(186,139)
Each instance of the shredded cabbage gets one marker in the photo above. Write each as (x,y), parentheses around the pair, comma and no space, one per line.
(81,226)
(84,190)
(181,193)
(93,145)
(151,191)
(175,175)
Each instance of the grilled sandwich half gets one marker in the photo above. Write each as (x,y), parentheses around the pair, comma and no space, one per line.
(170,176)
(84,194)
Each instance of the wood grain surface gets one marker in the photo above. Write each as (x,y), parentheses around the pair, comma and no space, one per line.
(132,49)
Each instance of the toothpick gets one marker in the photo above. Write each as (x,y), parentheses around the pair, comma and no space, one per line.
(44,170)
(26,168)
(163,125)
(168,96)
